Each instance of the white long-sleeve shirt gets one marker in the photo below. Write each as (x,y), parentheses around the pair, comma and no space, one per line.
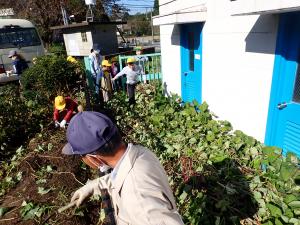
(131,75)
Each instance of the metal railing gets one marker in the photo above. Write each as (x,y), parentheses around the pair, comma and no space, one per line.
(151,66)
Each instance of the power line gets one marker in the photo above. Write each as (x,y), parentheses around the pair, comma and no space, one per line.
(136,5)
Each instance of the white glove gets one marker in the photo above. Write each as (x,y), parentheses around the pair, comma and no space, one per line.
(63,124)
(57,124)
(91,188)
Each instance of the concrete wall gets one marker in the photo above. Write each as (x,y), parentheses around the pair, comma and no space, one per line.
(106,38)
(74,44)
(238,59)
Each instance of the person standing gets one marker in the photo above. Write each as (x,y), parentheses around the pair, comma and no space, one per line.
(105,81)
(114,71)
(141,63)
(95,61)
(19,64)
(132,78)
(138,184)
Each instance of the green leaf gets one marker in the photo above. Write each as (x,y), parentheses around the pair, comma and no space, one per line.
(287,170)
(294,204)
(41,181)
(30,214)
(285,218)
(268,223)
(274,210)
(43,191)
(278,222)
(50,146)
(49,168)
(183,196)
(192,140)
(79,212)
(290,198)
(294,221)
(19,176)
(297,212)
(257,195)
(4,210)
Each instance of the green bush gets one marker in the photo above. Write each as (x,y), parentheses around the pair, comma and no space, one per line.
(57,49)
(25,110)
(50,76)
(16,120)
(219,176)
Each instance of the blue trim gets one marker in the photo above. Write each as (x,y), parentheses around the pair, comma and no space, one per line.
(273,114)
(184,29)
(284,74)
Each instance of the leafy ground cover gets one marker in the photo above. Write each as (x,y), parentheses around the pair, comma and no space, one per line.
(39,180)
(219,176)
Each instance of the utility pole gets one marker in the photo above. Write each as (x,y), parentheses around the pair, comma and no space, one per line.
(152,29)
(64,14)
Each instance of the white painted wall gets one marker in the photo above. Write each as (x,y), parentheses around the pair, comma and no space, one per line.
(239,7)
(170,49)
(238,59)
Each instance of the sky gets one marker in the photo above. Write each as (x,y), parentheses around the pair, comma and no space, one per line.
(136,6)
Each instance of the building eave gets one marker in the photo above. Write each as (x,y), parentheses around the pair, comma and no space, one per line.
(183,16)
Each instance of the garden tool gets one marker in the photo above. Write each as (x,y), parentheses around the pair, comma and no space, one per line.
(64,208)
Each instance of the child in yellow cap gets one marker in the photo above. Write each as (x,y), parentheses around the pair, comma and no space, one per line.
(64,109)
(132,78)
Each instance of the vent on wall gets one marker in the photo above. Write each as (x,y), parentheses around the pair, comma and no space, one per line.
(291,141)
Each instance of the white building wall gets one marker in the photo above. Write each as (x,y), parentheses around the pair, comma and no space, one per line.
(170,51)
(238,59)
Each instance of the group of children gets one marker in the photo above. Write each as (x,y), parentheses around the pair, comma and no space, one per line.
(106,79)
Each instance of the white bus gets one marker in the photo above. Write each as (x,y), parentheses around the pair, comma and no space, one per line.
(19,35)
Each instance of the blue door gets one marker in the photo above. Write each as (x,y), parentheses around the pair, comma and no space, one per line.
(191,61)
(283,128)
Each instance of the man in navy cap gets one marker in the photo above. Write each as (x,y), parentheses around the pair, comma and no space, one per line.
(137,184)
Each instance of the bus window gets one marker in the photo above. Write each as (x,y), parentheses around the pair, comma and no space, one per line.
(18,37)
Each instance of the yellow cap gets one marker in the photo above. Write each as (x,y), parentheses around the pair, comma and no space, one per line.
(131,60)
(105,63)
(138,48)
(71,59)
(60,102)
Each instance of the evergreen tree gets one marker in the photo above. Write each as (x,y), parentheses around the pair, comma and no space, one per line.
(156,8)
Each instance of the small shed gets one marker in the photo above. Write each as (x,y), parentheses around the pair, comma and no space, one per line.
(80,38)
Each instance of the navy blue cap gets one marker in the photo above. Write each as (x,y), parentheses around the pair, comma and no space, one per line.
(87,132)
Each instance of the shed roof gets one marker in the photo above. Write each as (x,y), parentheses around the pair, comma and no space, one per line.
(85,24)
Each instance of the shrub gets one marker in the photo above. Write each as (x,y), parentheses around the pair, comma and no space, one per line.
(24,111)
(52,75)
(16,120)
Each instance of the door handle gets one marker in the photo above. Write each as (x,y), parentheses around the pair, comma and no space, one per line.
(282,105)
(186,73)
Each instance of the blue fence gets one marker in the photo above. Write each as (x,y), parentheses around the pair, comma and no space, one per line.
(151,66)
